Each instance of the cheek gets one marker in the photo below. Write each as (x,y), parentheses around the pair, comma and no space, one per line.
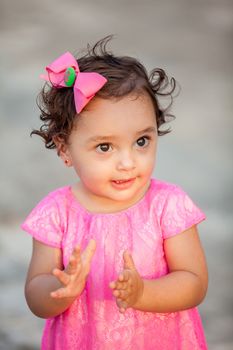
(148,166)
(91,170)
(147,160)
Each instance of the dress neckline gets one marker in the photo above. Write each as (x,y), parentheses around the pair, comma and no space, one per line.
(81,207)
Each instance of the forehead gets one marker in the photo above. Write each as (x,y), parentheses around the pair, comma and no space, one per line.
(131,112)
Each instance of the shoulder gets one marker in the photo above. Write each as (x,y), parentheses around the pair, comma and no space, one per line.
(170,195)
(159,194)
(161,189)
(176,209)
(57,198)
(52,207)
(61,196)
(59,193)
(160,185)
(47,220)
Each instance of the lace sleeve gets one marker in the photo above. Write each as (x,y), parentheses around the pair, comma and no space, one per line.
(179,213)
(44,222)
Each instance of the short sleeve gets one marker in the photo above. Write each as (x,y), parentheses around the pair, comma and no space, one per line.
(44,222)
(179,213)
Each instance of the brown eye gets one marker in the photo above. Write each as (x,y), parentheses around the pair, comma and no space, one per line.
(142,142)
(103,147)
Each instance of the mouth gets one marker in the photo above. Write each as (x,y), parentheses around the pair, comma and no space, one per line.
(124,183)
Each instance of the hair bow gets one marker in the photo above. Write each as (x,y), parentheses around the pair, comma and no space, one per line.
(64,72)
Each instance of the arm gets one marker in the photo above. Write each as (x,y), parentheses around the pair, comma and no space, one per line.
(50,290)
(184,287)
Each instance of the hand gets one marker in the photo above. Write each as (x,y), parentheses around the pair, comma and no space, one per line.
(128,288)
(73,278)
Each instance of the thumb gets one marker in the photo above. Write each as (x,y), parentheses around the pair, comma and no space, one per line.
(128,261)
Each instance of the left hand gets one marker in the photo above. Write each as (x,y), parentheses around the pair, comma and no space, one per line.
(73,278)
(128,288)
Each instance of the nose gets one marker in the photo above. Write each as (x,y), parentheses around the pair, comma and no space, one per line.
(126,161)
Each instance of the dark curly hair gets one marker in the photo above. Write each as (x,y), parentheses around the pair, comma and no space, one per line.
(124,75)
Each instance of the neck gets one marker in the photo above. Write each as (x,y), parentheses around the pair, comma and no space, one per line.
(98,204)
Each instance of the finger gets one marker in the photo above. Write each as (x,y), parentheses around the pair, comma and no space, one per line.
(112,285)
(122,310)
(121,285)
(121,294)
(61,276)
(89,251)
(128,260)
(72,266)
(124,276)
(59,293)
(121,282)
(77,252)
(122,305)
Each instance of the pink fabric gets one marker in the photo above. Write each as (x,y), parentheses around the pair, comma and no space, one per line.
(86,85)
(93,320)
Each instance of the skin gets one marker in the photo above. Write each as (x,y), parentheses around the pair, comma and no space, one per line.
(50,288)
(184,287)
(117,125)
(119,139)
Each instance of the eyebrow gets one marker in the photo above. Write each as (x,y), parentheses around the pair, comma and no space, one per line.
(150,129)
(97,138)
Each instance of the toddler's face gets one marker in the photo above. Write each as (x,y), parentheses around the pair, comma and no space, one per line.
(112,149)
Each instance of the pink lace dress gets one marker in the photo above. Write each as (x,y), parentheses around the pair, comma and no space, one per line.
(93,321)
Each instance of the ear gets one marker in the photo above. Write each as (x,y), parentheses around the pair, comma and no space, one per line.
(63,151)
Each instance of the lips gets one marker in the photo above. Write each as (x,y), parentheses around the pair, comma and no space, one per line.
(123,183)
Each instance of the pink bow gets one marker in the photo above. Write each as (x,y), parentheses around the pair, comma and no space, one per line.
(86,84)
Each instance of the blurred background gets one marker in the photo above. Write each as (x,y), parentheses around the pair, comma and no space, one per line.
(193,41)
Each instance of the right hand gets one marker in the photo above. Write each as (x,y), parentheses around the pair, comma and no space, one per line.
(73,278)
